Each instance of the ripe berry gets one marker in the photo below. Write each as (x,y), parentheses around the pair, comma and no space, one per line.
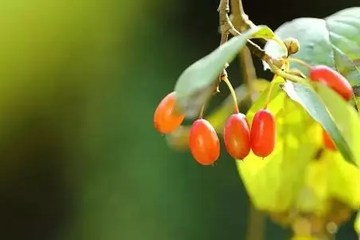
(263,133)
(204,142)
(165,118)
(333,79)
(328,142)
(237,136)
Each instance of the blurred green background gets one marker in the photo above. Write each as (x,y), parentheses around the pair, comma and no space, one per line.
(79,158)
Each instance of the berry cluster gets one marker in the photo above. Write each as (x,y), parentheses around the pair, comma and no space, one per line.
(204,142)
(239,138)
(338,83)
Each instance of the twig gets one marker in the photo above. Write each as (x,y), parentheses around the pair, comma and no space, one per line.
(241,19)
(242,23)
(226,25)
(223,10)
(257,51)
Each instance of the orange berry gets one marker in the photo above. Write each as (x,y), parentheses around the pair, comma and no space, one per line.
(237,136)
(166,119)
(332,79)
(204,142)
(328,142)
(263,133)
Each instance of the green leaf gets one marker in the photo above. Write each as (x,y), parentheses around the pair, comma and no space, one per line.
(345,117)
(312,103)
(333,41)
(199,81)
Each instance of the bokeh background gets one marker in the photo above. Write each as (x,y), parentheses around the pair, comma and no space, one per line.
(79,158)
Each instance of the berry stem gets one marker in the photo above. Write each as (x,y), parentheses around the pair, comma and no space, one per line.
(287,66)
(272,86)
(233,94)
(201,115)
(269,93)
(291,77)
(299,61)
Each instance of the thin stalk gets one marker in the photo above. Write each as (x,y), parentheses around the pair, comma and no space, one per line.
(287,76)
(299,61)
(201,115)
(233,94)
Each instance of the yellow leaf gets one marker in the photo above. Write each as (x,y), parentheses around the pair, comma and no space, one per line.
(273,183)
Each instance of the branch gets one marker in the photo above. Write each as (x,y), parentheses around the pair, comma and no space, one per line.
(227,26)
(242,23)
(241,19)
(256,50)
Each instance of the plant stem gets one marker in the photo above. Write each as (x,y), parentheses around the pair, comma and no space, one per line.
(256,225)
(248,69)
(299,62)
(269,94)
(241,20)
(226,80)
(257,51)
(242,23)
(227,26)
(223,10)
(201,115)
(287,76)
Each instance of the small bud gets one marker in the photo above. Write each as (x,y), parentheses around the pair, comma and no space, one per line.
(292,45)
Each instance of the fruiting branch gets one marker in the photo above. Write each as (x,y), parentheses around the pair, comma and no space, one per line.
(239,139)
(227,26)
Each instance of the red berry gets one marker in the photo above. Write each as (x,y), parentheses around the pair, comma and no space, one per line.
(204,142)
(166,119)
(263,133)
(328,142)
(333,79)
(237,136)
